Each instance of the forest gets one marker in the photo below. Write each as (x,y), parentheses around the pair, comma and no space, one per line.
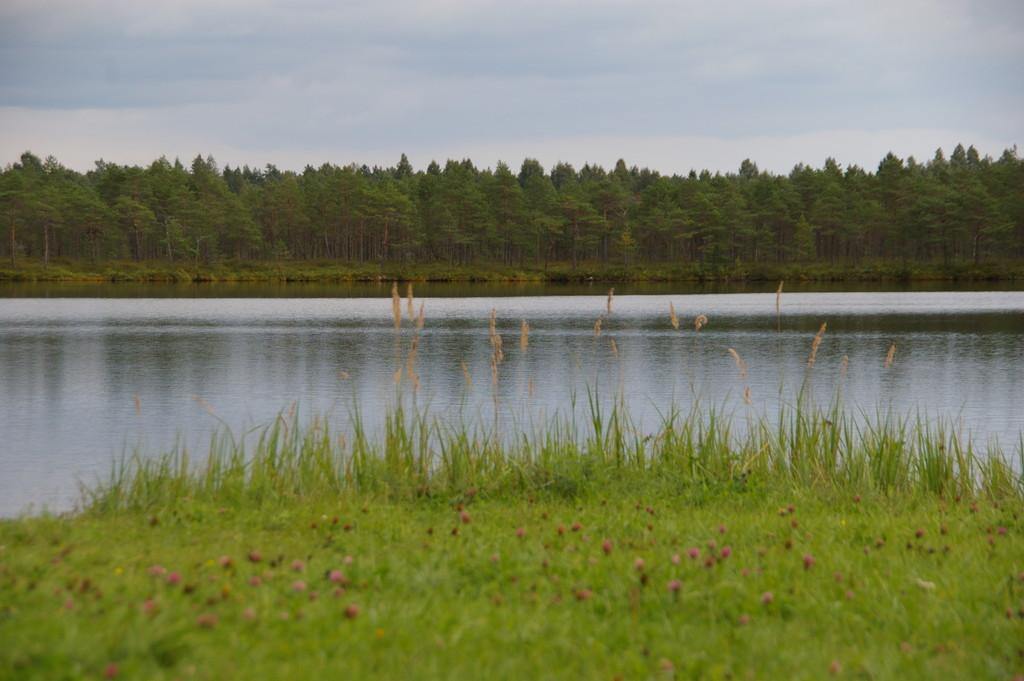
(962,209)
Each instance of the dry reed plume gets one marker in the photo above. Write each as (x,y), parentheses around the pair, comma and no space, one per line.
(396,305)
(890,356)
(396,378)
(778,307)
(740,364)
(499,351)
(408,301)
(814,345)
(498,354)
(205,405)
(343,375)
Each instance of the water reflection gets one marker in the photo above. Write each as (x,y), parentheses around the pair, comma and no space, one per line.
(71,370)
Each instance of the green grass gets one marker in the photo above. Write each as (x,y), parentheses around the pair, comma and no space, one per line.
(32,270)
(825,449)
(889,548)
(879,600)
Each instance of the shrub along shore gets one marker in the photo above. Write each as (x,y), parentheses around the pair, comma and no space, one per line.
(28,270)
(813,545)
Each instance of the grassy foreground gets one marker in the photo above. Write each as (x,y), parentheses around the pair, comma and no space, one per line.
(819,545)
(630,583)
(32,270)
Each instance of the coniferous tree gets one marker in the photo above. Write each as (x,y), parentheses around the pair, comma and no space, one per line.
(962,209)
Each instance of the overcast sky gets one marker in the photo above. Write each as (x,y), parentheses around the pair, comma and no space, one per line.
(670,84)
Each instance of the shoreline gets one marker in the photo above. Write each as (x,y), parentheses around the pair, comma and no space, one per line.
(74,271)
(821,541)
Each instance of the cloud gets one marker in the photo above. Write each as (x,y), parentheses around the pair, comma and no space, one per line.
(302,79)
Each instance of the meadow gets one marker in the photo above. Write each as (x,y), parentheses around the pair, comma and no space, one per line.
(824,542)
(820,545)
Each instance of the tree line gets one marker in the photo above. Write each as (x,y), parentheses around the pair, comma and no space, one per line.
(964,208)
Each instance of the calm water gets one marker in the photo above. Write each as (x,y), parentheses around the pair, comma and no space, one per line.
(84,379)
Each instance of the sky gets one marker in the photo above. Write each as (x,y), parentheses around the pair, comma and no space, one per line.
(669,84)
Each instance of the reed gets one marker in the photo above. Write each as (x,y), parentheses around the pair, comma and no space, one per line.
(396,306)
(416,551)
(408,301)
(672,318)
(611,296)
(815,344)
(416,453)
(207,407)
(804,446)
(435,531)
(778,307)
(890,356)
(497,345)
(524,336)
(499,349)
(741,366)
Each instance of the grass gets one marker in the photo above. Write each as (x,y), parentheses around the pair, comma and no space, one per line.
(511,587)
(820,544)
(822,449)
(32,270)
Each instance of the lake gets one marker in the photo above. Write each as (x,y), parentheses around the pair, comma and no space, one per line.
(88,372)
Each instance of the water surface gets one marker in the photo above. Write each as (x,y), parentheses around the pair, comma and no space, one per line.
(83,379)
